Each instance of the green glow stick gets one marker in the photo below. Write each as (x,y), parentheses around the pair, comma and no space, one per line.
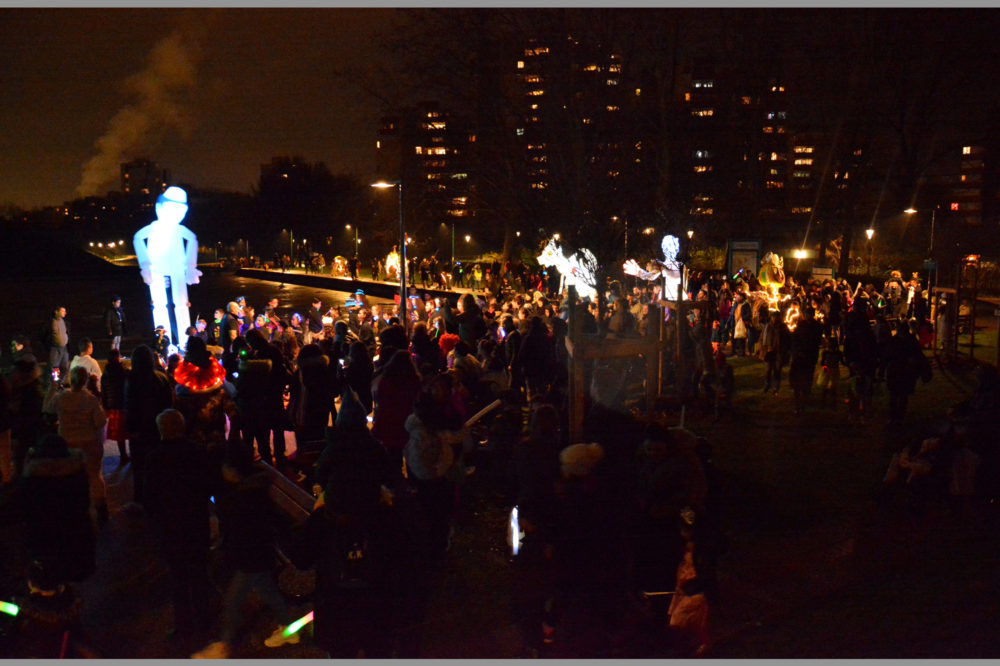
(9,608)
(299,623)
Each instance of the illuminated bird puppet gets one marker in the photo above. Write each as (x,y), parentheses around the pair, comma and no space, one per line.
(772,274)
(575,270)
(167,253)
(671,270)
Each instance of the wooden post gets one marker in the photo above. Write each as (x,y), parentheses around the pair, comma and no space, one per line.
(576,360)
(653,357)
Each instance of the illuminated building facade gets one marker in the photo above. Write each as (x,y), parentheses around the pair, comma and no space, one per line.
(427,148)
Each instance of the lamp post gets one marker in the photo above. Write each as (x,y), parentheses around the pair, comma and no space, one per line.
(870,233)
(452,246)
(404,315)
(930,247)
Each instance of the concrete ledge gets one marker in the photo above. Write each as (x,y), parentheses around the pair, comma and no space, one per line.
(378,289)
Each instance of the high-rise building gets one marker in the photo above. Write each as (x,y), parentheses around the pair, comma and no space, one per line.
(142,177)
(427,149)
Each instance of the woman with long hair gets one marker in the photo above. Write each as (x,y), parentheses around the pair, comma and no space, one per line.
(113,401)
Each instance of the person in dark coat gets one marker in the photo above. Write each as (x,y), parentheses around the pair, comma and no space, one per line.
(805,342)
(114,322)
(55,505)
(536,358)
(345,539)
(148,392)
(113,400)
(903,364)
(313,392)
(178,488)
(271,415)
(247,523)
(26,401)
(358,373)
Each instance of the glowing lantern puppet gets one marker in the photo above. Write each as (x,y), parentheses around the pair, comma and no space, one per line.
(670,269)
(575,270)
(167,253)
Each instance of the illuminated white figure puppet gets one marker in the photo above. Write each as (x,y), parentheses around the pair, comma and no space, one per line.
(167,253)
(671,270)
(576,269)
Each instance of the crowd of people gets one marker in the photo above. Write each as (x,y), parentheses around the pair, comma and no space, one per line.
(383,399)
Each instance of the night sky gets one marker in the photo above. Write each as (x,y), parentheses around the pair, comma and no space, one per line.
(208,94)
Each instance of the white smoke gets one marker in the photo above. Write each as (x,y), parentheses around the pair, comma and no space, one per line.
(157,107)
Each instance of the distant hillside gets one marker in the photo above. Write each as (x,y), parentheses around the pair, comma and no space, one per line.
(24,252)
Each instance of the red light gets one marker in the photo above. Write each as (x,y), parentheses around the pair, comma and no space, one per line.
(954,206)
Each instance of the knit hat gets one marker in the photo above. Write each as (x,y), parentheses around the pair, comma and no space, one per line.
(580,459)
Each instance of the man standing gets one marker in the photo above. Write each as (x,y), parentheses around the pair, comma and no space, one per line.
(315,319)
(58,352)
(114,322)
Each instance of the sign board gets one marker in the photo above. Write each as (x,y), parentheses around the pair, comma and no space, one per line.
(743,255)
(823,273)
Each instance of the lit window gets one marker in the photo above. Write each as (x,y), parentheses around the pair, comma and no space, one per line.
(533,119)
(520,131)
(767,130)
(703,112)
(966,150)
(780,130)
(540,158)
(472,138)
(701,168)
(437,151)
(378,145)
(638,145)
(803,161)
(774,172)
(801,174)
(585,121)
(612,107)
(432,114)
(614,68)
(591,68)
(777,157)
(459,176)
(745,99)
(801,209)
(536,93)
(638,91)
(804,149)
(433,176)
(963,177)
(687,97)
(954,205)
(532,78)
(775,185)
(612,82)
(438,125)
(458,212)
(520,64)
(534,107)
(419,150)
(539,186)
(703,84)
(702,154)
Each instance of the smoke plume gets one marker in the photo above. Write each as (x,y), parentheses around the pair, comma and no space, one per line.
(157,106)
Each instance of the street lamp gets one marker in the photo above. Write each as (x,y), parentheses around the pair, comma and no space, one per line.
(930,248)
(383,184)
(356,241)
(870,233)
